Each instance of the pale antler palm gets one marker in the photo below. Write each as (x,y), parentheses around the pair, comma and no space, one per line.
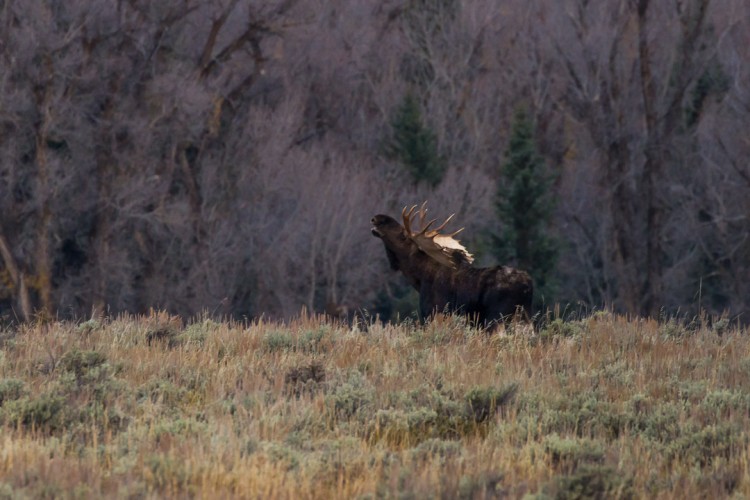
(444,248)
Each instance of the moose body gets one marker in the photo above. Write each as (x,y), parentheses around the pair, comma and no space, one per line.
(445,278)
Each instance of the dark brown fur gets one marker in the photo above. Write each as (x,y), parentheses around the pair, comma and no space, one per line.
(488,295)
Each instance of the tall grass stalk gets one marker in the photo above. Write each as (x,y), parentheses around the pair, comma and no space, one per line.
(154,406)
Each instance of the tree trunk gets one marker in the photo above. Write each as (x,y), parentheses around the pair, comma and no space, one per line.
(17,280)
(43,255)
(651,295)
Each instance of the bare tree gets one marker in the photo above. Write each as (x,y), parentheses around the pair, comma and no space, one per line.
(629,70)
(227,155)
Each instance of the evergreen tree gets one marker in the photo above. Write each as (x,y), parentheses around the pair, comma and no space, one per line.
(414,144)
(524,205)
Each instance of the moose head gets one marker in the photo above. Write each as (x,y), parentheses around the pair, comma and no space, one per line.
(444,249)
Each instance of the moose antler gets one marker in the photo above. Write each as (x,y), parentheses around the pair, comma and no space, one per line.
(442,247)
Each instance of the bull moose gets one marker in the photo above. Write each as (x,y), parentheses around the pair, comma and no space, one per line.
(441,270)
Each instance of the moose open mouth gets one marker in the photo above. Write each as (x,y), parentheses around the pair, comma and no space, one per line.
(374,230)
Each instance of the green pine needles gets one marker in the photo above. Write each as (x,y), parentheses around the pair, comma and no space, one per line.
(414,144)
(524,205)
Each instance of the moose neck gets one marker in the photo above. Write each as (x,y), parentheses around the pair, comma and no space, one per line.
(418,267)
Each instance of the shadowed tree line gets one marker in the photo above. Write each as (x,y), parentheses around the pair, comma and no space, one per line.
(227,155)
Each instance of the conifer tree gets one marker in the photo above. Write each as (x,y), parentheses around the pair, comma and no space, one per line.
(524,205)
(414,144)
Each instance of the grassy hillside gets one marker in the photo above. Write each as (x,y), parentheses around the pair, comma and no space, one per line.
(149,407)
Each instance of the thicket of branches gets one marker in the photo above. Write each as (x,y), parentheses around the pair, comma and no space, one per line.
(227,155)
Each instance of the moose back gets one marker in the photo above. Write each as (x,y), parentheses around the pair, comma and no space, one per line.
(441,270)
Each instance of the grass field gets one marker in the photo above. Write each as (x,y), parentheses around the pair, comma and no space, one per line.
(147,407)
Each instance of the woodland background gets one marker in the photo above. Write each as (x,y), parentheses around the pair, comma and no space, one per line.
(227,155)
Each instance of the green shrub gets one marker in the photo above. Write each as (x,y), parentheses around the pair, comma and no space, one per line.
(81,362)
(162,391)
(723,478)
(569,453)
(560,328)
(661,424)
(348,398)
(673,330)
(584,415)
(721,326)
(6,492)
(614,373)
(483,402)
(282,454)
(450,409)
(436,448)
(305,379)
(195,334)
(277,341)
(400,428)
(104,416)
(337,454)
(719,404)
(164,335)
(485,485)
(442,330)
(315,341)
(10,390)
(165,471)
(47,412)
(427,413)
(180,427)
(703,446)
(592,481)
(89,326)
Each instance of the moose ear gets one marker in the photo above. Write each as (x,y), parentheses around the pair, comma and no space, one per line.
(392,259)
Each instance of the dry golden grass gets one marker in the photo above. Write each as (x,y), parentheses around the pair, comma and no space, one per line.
(148,407)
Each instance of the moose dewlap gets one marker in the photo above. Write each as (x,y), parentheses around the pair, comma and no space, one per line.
(441,270)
